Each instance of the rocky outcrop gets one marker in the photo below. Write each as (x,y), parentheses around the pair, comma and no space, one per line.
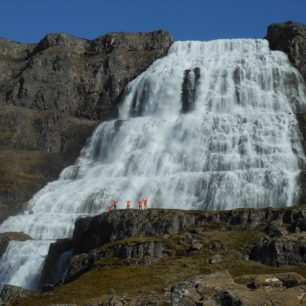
(56,263)
(140,252)
(92,232)
(189,89)
(290,37)
(280,252)
(10,293)
(5,239)
(143,236)
(52,96)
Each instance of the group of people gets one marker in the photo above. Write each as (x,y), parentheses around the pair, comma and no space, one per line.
(142,204)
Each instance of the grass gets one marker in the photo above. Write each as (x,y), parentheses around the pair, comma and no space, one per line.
(16,169)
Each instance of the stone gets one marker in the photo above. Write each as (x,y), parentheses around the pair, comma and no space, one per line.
(50,276)
(216,259)
(279,252)
(10,293)
(273,282)
(196,245)
(272,230)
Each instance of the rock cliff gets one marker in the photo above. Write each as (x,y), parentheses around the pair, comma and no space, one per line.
(290,37)
(52,96)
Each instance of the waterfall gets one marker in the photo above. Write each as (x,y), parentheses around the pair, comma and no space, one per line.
(210,126)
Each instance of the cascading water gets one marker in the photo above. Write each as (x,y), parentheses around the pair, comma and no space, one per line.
(210,126)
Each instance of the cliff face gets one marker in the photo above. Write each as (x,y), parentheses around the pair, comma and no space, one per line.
(290,37)
(52,96)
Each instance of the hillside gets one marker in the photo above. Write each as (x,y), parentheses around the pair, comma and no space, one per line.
(163,257)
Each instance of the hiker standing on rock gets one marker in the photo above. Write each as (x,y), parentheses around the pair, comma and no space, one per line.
(140,204)
(128,204)
(115,203)
(145,203)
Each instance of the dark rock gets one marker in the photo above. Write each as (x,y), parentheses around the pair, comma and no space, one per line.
(80,264)
(279,252)
(228,298)
(56,263)
(272,230)
(53,95)
(141,251)
(290,37)
(10,293)
(189,88)
(92,232)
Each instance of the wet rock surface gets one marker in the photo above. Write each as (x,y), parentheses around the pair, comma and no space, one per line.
(5,239)
(52,96)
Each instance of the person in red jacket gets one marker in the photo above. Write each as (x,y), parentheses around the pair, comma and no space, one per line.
(140,204)
(115,204)
(128,204)
(110,208)
(145,203)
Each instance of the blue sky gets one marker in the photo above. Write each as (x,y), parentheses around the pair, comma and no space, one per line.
(30,20)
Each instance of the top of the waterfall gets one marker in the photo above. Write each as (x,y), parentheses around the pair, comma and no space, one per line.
(220,46)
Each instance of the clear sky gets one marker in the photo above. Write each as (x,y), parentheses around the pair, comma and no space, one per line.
(30,20)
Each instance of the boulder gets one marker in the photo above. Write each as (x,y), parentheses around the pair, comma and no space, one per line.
(10,293)
(280,252)
(288,280)
(56,263)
